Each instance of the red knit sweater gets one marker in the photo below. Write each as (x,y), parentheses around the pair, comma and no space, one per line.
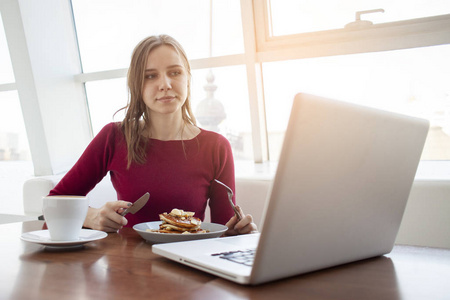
(177,174)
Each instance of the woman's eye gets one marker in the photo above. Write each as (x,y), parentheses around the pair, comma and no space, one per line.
(150,76)
(175,73)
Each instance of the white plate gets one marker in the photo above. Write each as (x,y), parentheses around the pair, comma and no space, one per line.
(215,230)
(43,237)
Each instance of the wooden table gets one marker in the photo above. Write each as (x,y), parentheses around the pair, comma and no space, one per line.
(122,266)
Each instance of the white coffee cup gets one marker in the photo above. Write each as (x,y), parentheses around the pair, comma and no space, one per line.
(65,216)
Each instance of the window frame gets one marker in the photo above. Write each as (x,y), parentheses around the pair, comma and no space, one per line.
(406,34)
(412,33)
(261,47)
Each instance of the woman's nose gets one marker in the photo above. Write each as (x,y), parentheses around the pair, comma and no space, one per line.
(164,83)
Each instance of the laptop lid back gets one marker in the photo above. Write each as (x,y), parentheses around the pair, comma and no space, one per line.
(341,187)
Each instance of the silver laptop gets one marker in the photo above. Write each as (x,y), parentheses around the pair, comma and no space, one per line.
(338,196)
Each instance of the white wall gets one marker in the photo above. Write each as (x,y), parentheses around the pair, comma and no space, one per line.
(426,221)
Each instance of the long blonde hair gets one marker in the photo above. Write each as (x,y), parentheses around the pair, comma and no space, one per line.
(137,118)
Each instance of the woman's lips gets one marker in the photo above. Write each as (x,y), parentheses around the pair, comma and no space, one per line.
(166,98)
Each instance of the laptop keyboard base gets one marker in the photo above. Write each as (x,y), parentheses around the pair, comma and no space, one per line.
(244,257)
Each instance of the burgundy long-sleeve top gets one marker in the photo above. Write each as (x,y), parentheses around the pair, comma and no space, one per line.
(177,174)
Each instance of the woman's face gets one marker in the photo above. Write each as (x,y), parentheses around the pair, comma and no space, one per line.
(165,82)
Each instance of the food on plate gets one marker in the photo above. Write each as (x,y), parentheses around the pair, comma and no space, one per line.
(179,221)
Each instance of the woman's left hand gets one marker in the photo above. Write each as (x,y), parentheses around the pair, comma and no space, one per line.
(244,226)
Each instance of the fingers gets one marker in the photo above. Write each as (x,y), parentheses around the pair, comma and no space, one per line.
(111,216)
(243,226)
(120,206)
(230,224)
(107,218)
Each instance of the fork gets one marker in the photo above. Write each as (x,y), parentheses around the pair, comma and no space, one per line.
(230,198)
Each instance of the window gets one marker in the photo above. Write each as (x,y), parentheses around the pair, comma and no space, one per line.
(412,81)
(228,103)
(305,46)
(228,106)
(105,98)
(6,71)
(109,30)
(13,139)
(300,46)
(15,160)
(291,17)
(106,44)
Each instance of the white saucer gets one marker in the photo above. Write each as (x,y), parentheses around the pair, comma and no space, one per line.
(43,237)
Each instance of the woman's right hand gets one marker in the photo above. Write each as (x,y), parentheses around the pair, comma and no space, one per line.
(107,218)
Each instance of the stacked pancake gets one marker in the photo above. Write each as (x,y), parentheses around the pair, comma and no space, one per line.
(180,221)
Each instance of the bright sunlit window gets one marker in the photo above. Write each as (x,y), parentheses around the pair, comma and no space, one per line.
(105,98)
(226,112)
(291,17)
(109,30)
(15,158)
(300,46)
(13,139)
(6,71)
(107,44)
(413,82)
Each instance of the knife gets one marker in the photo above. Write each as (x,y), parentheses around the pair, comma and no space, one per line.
(137,205)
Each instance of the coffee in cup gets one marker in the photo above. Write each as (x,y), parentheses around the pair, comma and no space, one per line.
(64,216)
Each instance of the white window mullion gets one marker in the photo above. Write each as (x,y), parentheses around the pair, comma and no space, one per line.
(102,75)
(255,84)
(8,87)
(262,23)
(204,63)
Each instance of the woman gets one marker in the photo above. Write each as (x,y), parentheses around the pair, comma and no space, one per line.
(157,148)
